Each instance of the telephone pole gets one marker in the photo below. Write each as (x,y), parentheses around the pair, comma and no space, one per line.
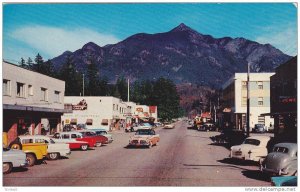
(248,101)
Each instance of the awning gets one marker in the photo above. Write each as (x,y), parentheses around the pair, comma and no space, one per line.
(73,121)
(279,113)
(38,109)
(89,121)
(104,121)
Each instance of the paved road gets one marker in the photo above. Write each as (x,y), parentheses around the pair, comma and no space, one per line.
(182,158)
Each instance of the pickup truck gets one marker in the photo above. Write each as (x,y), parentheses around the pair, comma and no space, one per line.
(34,151)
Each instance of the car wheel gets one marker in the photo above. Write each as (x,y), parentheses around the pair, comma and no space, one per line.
(16,145)
(30,158)
(132,130)
(84,147)
(7,167)
(98,144)
(53,156)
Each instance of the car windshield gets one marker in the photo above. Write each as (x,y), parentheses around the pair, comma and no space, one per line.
(252,142)
(143,132)
(259,126)
(145,124)
(281,149)
(88,133)
(51,141)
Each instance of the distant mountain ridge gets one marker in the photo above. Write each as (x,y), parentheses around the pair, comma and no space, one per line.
(182,55)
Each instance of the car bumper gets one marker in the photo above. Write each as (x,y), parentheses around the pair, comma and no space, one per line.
(272,171)
(138,145)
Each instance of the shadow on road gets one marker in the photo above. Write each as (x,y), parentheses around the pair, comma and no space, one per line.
(230,166)
(238,162)
(256,174)
(19,169)
(226,145)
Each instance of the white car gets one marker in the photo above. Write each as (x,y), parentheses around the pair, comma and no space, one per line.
(54,151)
(169,126)
(139,126)
(12,158)
(253,148)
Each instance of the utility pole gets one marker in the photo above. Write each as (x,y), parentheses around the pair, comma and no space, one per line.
(128,91)
(83,84)
(248,101)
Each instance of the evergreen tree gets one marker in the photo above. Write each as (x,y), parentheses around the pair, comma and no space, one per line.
(73,81)
(29,63)
(23,63)
(47,68)
(121,87)
(38,63)
(93,79)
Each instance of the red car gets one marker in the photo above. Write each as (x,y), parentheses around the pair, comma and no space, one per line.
(100,139)
(71,139)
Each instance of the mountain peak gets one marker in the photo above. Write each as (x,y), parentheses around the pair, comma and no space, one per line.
(90,44)
(181,27)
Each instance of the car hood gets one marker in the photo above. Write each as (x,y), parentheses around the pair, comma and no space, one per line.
(58,146)
(14,152)
(244,147)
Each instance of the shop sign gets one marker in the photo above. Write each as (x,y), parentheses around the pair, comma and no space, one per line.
(287,99)
(127,114)
(139,109)
(152,109)
(82,105)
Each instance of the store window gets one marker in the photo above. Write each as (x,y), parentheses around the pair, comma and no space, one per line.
(260,101)
(6,87)
(56,96)
(30,90)
(20,89)
(44,94)
(260,85)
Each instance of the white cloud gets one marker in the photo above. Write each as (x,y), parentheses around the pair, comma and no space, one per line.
(285,39)
(54,41)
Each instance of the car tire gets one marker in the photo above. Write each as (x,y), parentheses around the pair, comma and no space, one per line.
(7,167)
(132,130)
(30,158)
(84,147)
(98,144)
(53,156)
(15,145)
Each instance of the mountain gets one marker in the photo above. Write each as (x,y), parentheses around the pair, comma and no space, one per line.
(181,54)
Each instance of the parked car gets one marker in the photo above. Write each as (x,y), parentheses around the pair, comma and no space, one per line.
(34,151)
(287,181)
(144,138)
(229,136)
(74,139)
(169,126)
(139,126)
(54,150)
(12,158)
(99,139)
(104,133)
(259,128)
(190,124)
(282,161)
(207,127)
(253,148)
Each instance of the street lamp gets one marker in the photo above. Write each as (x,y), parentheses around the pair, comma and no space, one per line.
(248,101)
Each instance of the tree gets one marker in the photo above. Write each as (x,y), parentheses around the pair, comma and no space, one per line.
(121,88)
(38,63)
(29,63)
(23,63)
(48,69)
(71,77)
(93,79)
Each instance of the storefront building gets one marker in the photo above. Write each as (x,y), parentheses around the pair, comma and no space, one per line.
(284,101)
(30,98)
(96,112)
(235,100)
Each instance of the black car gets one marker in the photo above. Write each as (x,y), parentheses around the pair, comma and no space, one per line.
(259,128)
(230,136)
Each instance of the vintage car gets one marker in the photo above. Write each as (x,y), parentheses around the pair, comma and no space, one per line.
(34,151)
(169,126)
(259,128)
(144,138)
(282,160)
(12,158)
(139,126)
(74,139)
(55,150)
(104,133)
(253,148)
(287,181)
(229,136)
(207,127)
(99,139)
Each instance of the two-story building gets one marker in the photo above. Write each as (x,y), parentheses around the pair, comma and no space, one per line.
(235,99)
(28,99)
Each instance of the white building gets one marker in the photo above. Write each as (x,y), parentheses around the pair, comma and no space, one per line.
(96,112)
(28,98)
(235,99)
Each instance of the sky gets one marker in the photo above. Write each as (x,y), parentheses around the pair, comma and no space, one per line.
(51,29)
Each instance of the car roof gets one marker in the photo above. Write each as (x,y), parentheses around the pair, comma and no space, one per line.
(32,136)
(287,145)
(69,132)
(100,129)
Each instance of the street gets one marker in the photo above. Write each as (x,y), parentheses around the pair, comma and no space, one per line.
(183,158)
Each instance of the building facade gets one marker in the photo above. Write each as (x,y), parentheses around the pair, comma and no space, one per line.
(235,100)
(30,98)
(284,101)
